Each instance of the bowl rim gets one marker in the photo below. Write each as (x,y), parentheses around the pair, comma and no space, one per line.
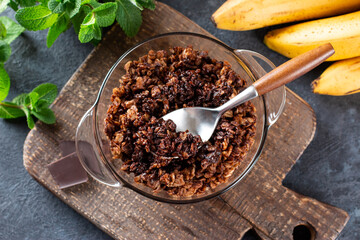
(123,182)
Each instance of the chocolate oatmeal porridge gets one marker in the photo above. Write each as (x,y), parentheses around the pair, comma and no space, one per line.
(160,158)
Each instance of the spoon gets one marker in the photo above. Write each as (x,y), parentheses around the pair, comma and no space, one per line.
(202,121)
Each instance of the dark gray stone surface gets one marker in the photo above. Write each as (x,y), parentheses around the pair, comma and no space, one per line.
(328,170)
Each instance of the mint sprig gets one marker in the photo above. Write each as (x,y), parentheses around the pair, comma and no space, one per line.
(36,103)
(87,16)
(10,30)
(29,105)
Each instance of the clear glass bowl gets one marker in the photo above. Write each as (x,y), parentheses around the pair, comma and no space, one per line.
(92,144)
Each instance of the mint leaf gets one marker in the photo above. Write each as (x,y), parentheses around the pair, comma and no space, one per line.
(89,29)
(47,92)
(29,119)
(2,30)
(10,110)
(129,17)
(72,7)
(21,100)
(45,115)
(13,29)
(14,5)
(3,5)
(79,18)
(34,97)
(105,14)
(41,103)
(56,6)
(150,4)
(5,51)
(4,83)
(43,2)
(34,103)
(36,18)
(26,3)
(92,3)
(60,26)
(138,5)
(95,42)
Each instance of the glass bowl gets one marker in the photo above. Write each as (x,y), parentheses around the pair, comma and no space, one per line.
(93,147)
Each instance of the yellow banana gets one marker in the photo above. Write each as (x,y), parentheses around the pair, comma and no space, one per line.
(343,32)
(341,78)
(252,14)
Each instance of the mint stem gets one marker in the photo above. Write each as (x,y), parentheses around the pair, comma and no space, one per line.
(8,105)
(87,4)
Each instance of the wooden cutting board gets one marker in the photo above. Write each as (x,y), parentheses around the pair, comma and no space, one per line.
(259,202)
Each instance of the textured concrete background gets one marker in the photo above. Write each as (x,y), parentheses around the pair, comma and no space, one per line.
(328,170)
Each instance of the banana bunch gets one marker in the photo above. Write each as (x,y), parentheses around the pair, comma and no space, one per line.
(343,32)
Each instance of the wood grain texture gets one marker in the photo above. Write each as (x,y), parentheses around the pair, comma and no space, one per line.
(258,202)
(293,69)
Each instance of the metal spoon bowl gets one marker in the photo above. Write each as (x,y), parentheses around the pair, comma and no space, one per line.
(203,121)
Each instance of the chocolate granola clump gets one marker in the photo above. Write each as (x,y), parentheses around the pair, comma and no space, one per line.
(163,81)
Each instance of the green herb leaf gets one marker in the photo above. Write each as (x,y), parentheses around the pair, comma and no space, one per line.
(36,18)
(95,42)
(89,29)
(21,99)
(35,103)
(138,5)
(105,14)
(43,2)
(92,3)
(3,5)
(14,5)
(10,110)
(13,29)
(2,30)
(41,103)
(34,97)
(150,4)
(129,17)
(78,19)
(47,92)
(56,6)
(29,119)
(5,51)
(26,3)
(60,26)
(4,83)
(72,7)
(45,115)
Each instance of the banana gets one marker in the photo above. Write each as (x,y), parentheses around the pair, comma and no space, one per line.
(343,32)
(341,78)
(252,14)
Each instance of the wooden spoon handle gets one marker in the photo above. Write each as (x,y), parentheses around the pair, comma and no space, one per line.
(293,69)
